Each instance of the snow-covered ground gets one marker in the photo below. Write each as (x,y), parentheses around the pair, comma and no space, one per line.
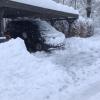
(70,74)
(50,4)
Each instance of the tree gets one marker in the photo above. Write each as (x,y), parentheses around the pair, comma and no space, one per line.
(88,8)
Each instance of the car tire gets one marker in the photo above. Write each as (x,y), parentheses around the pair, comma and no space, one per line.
(38,46)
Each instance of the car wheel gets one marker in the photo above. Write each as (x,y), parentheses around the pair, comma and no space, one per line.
(38,46)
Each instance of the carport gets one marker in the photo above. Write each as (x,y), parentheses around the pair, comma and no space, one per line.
(12,9)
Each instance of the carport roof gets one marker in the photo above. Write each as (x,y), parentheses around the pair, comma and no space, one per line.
(12,9)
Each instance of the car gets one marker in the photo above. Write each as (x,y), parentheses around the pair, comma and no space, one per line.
(38,35)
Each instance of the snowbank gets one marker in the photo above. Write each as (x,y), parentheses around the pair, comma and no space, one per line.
(24,76)
(61,75)
(49,4)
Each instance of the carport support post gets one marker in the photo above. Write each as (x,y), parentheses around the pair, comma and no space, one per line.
(52,22)
(1,22)
(70,22)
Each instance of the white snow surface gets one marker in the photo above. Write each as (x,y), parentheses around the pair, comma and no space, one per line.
(49,4)
(70,74)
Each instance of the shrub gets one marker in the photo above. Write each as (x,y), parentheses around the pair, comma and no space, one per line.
(62,26)
(82,27)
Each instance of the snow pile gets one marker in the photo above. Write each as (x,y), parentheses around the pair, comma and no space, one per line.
(24,76)
(49,4)
(61,75)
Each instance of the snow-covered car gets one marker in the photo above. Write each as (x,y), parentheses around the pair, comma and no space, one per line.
(51,36)
(37,34)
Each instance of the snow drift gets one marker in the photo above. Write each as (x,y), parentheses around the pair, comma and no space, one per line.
(61,75)
(27,77)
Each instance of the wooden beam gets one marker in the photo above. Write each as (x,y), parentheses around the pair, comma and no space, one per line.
(1,22)
(15,9)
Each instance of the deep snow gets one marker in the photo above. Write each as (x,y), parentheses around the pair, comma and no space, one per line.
(70,74)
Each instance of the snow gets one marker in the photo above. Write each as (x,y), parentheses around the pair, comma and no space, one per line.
(70,74)
(97,97)
(2,37)
(49,4)
(26,77)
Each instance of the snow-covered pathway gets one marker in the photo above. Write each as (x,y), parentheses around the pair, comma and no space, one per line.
(70,74)
(81,60)
(91,92)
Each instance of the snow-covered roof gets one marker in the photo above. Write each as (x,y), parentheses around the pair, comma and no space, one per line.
(36,8)
(49,4)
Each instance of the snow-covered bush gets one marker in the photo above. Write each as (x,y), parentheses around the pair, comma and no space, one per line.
(62,26)
(82,27)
